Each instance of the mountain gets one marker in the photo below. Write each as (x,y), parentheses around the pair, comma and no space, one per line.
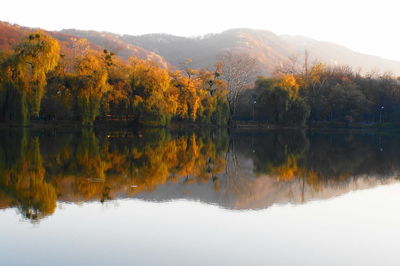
(116,44)
(12,34)
(334,54)
(270,49)
(267,47)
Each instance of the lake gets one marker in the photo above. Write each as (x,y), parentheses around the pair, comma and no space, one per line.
(204,197)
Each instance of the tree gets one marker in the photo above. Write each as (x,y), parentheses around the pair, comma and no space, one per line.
(185,66)
(289,83)
(24,75)
(279,101)
(214,104)
(92,85)
(239,70)
(297,113)
(153,99)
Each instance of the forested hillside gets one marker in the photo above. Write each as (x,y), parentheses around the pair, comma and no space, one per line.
(12,34)
(53,76)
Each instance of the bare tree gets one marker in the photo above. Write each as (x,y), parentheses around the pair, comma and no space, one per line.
(294,66)
(289,66)
(239,70)
(185,67)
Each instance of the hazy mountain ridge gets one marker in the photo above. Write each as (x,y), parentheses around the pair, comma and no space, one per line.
(12,34)
(114,43)
(270,49)
(204,51)
(332,53)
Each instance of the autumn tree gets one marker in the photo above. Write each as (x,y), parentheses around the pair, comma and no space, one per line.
(24,76)
(201,98)
(154,102)
(92,85)
(189,96)
(214,105)
(118,101)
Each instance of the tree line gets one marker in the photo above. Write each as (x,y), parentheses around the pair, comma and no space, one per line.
(319,93)
(39,81)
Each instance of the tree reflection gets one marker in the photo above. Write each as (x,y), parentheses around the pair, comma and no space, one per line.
(39,168)
(90,167)
(23,177)
(321,160)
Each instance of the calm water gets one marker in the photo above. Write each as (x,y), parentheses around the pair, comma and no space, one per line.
(154,197)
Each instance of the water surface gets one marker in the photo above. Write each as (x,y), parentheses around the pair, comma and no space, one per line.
(154,197)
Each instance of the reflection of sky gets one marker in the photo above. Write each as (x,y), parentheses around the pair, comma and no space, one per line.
(359,228)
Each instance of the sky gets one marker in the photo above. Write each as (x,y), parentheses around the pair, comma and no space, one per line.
(365,26)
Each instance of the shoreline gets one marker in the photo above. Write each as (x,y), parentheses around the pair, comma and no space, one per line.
(237,125)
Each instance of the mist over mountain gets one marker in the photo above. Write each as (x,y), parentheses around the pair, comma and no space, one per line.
(270,49)
(334,54)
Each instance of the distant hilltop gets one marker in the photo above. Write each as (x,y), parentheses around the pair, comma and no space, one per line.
(270,49)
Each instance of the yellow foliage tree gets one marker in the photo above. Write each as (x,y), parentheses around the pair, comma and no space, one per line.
(153,98)
(289,83)
(25,72)
(92,85)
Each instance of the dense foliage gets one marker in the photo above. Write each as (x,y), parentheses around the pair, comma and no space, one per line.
(23,76)
(85,85)
(323,94)
(40,81)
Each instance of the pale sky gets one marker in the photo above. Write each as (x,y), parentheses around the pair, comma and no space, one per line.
(366,26)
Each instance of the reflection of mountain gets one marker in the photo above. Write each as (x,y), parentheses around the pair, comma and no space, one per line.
(266,192)
(243,171)
(261,192)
